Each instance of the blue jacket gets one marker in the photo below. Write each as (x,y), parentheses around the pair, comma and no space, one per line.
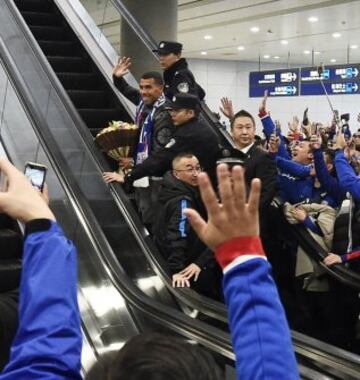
(47,345)
(348,180)
(259,330)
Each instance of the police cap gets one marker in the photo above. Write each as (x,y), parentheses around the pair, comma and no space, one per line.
(168,47)
(186,101)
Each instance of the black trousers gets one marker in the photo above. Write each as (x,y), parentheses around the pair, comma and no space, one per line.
(8,323)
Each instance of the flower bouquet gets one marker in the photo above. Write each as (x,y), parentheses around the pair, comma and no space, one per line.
(119,141)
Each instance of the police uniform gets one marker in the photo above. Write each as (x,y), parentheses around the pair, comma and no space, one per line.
(178,78)
(193,137)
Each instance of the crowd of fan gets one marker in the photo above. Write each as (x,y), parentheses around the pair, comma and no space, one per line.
(309,170)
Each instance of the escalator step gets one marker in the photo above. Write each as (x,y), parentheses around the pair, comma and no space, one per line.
(100,118)
(41,6)
(79,81)
(69,64)
(89,99)
(59,48)
(50,33)
(41,19)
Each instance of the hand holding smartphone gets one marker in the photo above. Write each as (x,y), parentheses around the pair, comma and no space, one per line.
(36,173)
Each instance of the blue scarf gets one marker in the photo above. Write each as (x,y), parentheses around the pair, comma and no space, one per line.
(144,145)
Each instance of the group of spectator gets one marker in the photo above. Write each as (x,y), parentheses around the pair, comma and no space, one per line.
(310,170)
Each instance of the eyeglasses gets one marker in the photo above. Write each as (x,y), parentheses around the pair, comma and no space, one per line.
(356,136)
(196,169)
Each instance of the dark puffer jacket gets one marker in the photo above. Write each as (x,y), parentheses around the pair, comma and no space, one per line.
(174,236)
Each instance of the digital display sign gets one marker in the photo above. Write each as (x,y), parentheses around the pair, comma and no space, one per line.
(277,82)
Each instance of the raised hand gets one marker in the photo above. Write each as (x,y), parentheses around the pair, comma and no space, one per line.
(234,216)
(274,143)
(122,67)
(262,107)
(21,201)
(227,108)
(294,124)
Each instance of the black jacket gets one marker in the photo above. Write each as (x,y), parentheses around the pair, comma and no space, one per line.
(258,164)
(178,78)
(163,127)
(173,234)
(191,137)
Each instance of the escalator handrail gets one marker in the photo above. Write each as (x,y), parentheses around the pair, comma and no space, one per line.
(114,263)
(173,319)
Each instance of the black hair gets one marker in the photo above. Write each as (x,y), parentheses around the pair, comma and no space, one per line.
(158,79)
(155,356)
(242,113)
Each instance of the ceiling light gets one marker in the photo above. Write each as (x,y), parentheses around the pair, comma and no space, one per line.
(203,53)
(276,57)
(241,48)
(316,52)
(313,19)
(254,29)
(307,51)
(336,35)
(208,37)
(332,60)
(353,46)
(284,42)
(266,56)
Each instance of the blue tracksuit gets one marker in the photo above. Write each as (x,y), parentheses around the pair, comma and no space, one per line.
(259,330)
(47,345)
(348,180)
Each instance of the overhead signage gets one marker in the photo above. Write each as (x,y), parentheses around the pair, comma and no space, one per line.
(337,79)
(277,82)
(335,88)
(331,73)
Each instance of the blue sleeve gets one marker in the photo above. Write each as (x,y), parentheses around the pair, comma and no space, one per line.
(348,180)
(308,222)
(47,345)
(259,330)
(327,181)
(268,129)
(293,168)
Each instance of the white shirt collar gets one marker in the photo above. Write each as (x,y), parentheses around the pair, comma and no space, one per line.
(247,148)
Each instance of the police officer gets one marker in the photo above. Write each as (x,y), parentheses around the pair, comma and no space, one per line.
(177,76)
(190,135)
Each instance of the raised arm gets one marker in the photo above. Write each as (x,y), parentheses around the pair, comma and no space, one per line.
(259,330)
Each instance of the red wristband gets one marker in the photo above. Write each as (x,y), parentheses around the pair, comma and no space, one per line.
(230,250)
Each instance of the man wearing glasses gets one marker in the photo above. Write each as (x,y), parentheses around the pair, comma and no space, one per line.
(191,263)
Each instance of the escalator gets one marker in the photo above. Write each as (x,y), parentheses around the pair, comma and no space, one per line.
(121,233)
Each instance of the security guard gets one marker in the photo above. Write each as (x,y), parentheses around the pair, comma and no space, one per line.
(190,135)
(177,76)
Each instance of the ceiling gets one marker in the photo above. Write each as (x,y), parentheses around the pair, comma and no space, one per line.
(285,31)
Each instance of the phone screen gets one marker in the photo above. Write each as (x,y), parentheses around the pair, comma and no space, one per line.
(36,175)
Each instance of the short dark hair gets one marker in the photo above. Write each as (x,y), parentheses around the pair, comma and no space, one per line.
(241,113)
(180,156)
(155,356)
(158,79)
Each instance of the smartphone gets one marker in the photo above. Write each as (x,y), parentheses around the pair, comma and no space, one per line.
(36,173)
(305,117)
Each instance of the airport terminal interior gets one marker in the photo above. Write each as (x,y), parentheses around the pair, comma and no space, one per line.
(71,112)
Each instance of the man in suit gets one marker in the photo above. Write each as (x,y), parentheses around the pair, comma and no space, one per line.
(257,162)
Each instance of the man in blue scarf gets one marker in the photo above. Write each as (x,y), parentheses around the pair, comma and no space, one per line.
(156,128)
